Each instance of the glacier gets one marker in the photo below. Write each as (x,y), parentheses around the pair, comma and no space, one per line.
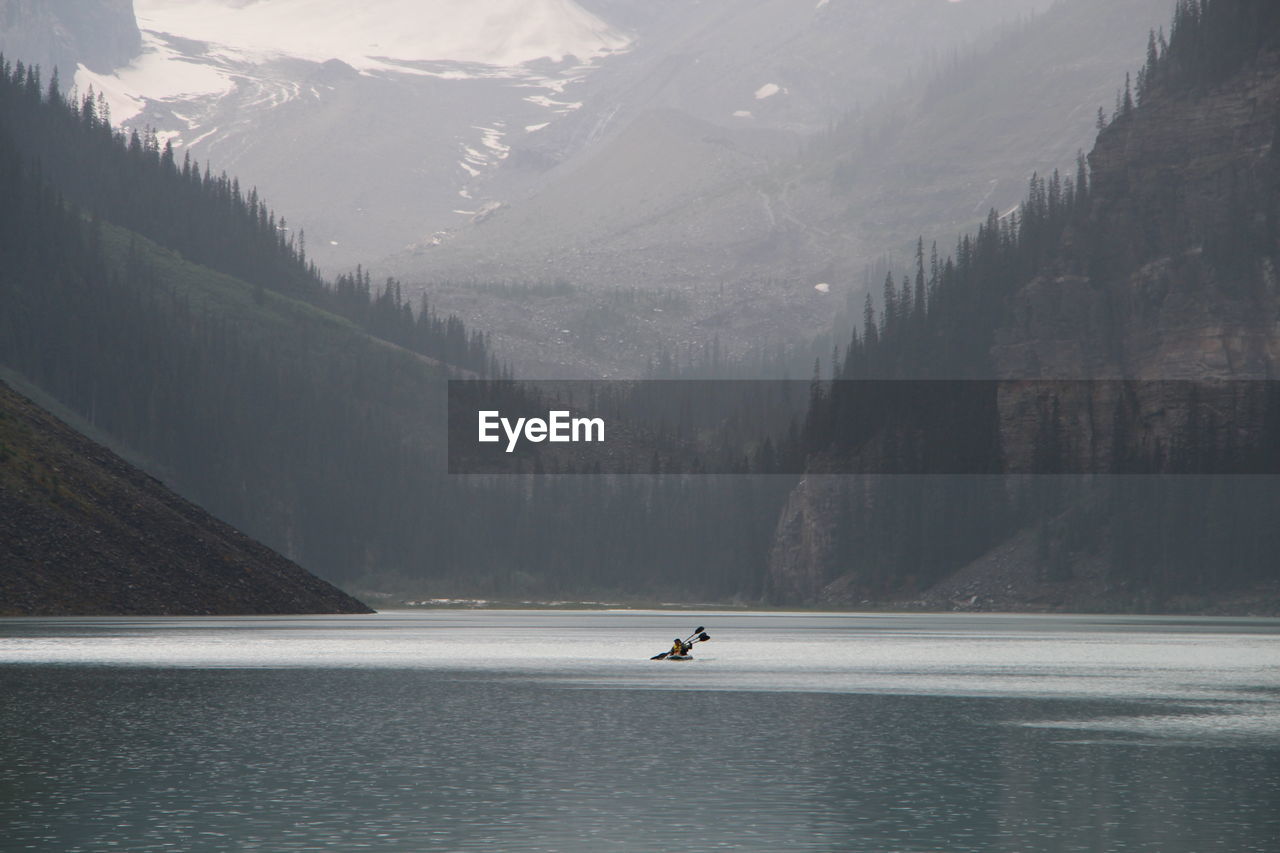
(372,34)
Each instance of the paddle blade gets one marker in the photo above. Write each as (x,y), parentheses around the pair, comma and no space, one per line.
(704,637)
(660,657)
(699,629)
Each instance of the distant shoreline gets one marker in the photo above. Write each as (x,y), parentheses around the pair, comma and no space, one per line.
(1265,609)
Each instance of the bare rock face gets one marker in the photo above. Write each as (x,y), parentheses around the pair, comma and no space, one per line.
(100,34)
(802,543)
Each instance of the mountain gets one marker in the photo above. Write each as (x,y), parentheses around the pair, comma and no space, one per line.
(823,176)
(177,319)
(1156,261)
(473,102)
(187,325)
(283,91)
(373,124)
(83,532)
(208,379)
(692,151)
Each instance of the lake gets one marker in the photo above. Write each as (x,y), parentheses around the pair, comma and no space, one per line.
(459,730)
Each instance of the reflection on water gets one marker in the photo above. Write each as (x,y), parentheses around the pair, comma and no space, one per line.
(553,732)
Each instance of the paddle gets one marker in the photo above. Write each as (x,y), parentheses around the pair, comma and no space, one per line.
(663,655)
(697,633)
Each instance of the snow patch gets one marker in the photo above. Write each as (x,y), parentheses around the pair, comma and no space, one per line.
(768,90)
(558,106)
(159,73)
(501,33)
(495,150)
(822,287)
(202,137)
(491,138)
(123,104)
(743,114)
(534,128)
(821,3)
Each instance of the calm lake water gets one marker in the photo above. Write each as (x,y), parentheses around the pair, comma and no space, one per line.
(552,731)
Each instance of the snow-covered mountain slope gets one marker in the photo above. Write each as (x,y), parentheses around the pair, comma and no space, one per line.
(407,150)
(374,35)
(372,125)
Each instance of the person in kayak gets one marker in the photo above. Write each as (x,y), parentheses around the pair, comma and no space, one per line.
(680,647)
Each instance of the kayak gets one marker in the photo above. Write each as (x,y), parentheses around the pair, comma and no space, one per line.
(680,648)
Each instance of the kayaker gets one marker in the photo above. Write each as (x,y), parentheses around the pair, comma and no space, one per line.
(680,647)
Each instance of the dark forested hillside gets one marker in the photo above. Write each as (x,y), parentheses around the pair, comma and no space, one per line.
(84,532)
(309,415)
(1154,259)
(135,183)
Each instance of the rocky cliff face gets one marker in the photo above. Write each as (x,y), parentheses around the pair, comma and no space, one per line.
(100,34)
(802,554)
(1168,276)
